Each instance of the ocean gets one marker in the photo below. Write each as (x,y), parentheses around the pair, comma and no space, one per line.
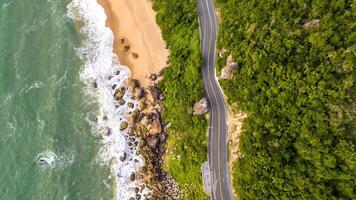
(57,72)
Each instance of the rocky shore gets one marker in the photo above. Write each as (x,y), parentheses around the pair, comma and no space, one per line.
(145,122)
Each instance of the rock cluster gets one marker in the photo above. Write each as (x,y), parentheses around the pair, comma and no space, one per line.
(146,123)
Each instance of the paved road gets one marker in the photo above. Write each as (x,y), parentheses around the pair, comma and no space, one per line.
(217,147)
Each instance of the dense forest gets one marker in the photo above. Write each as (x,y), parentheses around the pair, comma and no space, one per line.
(296,82)
(183,86)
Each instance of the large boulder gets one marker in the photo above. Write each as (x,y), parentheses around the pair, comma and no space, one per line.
(119,93)
(138,93)
(133,83)
(229,68)
(311,24)
(201,107)
(152,121)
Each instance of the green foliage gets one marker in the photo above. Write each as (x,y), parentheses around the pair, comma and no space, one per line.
(297,86)
(183,86)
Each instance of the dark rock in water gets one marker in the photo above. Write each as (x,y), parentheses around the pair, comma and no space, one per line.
(123,157)
(133,177)
(108,132)
(113,87)
(122,102)
(137,189)
(105,117)
(117,72)
(95,84)
(110,77)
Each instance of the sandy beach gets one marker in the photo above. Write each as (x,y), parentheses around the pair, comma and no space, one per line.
(137,38)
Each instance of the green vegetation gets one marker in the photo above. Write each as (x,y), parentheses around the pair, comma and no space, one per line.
(297,86)
(183,86)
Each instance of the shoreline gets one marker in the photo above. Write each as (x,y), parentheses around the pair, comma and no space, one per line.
(137,37)
(145,121)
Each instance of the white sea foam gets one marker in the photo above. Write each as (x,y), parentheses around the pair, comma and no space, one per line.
(49,159)
(102,69)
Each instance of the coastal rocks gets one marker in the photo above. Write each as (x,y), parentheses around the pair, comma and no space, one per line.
(119,93)
(228,70)
(138,93)
(201,107)
(146,123)
(311,24)
(123,125)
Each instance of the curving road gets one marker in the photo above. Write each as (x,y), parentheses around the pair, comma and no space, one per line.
(217,147)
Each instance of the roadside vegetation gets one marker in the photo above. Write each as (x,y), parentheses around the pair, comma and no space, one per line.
(297,85)
(183,86)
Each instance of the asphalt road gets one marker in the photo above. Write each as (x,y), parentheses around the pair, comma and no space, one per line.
(217,147)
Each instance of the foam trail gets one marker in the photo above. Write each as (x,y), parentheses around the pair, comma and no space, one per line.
(102,68)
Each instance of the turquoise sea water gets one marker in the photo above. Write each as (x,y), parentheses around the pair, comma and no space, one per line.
(42,108)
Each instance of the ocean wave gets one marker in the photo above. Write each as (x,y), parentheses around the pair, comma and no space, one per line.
(102,73)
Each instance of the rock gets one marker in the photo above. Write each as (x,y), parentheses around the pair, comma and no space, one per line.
(138,196)
(123,157)
(137,189)
(152,142)
(95,84)
(122,102)
(229,68)
(117,72)
(311,24)
(135,55)
(122,40)
(153,77)
(134,116)
(153,122)
(126,48)
(123,125)
(130,104)
(154,127)
(134,83)
(162,136)
(142,105)
(119,93)
(154,94)
(138,93)
(113,87)
(201,107)
(133,177)
(222,52)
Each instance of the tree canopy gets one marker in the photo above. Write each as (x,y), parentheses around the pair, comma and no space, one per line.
(297,85)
